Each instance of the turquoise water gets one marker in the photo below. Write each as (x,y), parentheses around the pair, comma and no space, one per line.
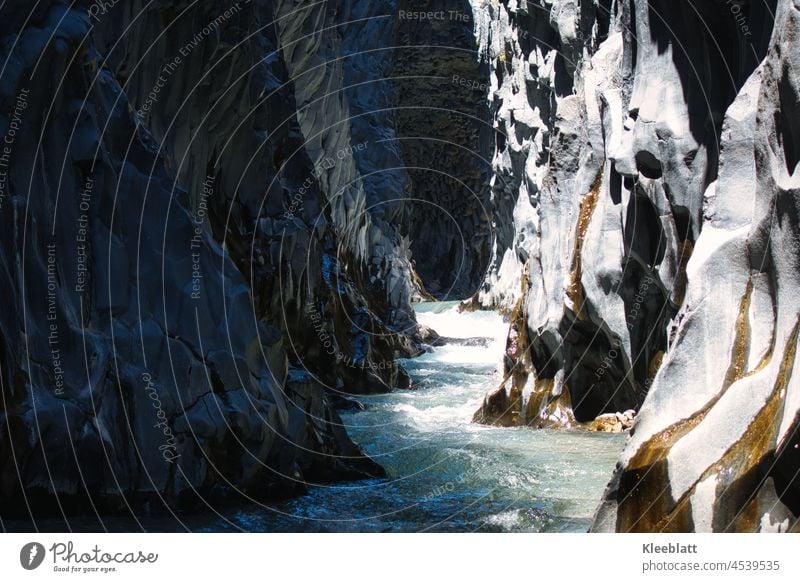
(444,472)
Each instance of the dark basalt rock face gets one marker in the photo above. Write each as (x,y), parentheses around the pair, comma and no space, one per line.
(200,246)
(445,131)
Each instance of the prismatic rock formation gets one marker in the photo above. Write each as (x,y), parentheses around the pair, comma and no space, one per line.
(445,131)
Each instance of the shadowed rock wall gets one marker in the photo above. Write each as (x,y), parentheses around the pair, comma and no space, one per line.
(198,258)
(446,134)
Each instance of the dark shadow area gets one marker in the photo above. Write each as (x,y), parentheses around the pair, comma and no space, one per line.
(444,131)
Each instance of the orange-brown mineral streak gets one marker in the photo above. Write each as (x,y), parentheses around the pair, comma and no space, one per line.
(645,503)
(587,207)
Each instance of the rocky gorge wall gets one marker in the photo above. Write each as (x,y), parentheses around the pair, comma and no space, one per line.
(202,214)
(644,172)
(445,131)
(716,444)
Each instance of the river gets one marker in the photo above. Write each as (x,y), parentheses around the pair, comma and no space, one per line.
(446,474)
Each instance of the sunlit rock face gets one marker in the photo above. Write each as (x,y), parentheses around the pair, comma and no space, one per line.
(716,445)
(644,169)
(200,249)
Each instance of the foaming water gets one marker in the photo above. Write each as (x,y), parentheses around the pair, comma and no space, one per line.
(446,473)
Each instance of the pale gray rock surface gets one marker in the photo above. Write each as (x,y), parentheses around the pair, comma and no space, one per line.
(647,246)
(718,433)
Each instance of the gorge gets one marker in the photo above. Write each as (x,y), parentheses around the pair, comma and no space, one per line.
(380,266)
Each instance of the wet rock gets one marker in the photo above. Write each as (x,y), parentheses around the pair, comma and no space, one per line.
(617,422)
(481,342)
(430,337)
(340,402)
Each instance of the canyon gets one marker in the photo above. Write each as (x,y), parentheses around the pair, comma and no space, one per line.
(225,225)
